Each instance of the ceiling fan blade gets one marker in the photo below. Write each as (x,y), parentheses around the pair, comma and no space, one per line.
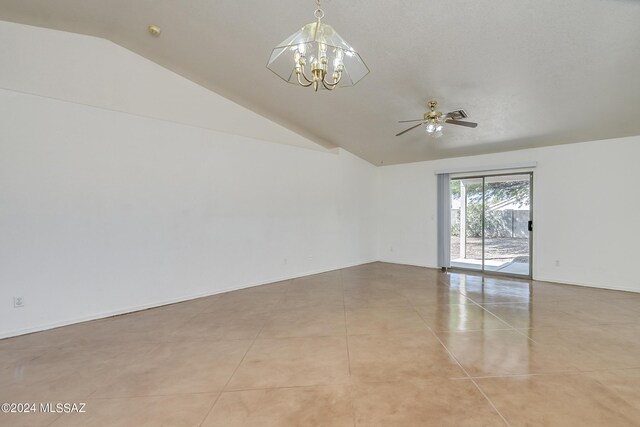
(456,115)
(407,130)
(409,121)
(459,123)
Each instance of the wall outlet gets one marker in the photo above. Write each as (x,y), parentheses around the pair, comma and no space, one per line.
(18,302)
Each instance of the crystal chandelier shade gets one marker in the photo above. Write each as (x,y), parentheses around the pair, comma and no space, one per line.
(317,56)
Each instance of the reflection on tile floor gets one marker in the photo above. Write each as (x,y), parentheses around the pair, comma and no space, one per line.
(374,345)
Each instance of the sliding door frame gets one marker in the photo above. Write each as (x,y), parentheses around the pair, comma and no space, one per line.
(483,178)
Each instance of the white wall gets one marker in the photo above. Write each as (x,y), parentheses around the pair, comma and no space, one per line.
(586,204)
(108,206)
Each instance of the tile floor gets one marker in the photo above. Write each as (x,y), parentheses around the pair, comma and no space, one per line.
(374,345)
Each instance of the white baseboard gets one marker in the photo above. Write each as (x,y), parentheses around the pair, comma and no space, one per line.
(66,322)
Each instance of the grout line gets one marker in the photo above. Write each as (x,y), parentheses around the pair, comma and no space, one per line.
(543,374)
(346,334)
(142,396)
(231,376)
(586,371)
(527,335)
(223,389)
(494,315)
(471,378)
(511,327)
(287,387)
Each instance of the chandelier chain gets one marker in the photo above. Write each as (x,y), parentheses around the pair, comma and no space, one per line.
(319,13)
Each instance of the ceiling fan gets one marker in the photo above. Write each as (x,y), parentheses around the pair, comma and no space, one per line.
(435,120)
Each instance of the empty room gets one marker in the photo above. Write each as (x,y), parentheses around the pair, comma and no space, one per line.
(319,213)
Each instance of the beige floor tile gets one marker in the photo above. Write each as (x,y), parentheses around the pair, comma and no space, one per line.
(69,372)
(13,358)
(38,419)
(149,326)
(566,313)
(493,296)
(287,362)
(305,322)
(330,280)
(379,358)
(484,290)
(550,292)
(45,339)
(383,320)
(459,317)
(177,368)
(133,328)
(371,283)
(558,400)
(502,352)
(374,298)
(174,411)
(304,299)
(299,406)
(220,325)
(625,383)
(145,325)
(454,403)
(536,315)
(594,347)
(437,294)
(603,311)
(248,301)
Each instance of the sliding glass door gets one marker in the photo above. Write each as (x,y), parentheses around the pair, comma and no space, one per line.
(491,223)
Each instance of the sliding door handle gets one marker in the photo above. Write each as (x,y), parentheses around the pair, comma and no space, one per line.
(530,225)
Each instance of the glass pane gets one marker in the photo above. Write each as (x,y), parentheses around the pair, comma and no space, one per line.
(507,213)
(466,223)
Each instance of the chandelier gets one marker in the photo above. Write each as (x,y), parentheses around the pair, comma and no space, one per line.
(317,56)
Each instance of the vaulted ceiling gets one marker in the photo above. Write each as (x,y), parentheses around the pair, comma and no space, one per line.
(531,72)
